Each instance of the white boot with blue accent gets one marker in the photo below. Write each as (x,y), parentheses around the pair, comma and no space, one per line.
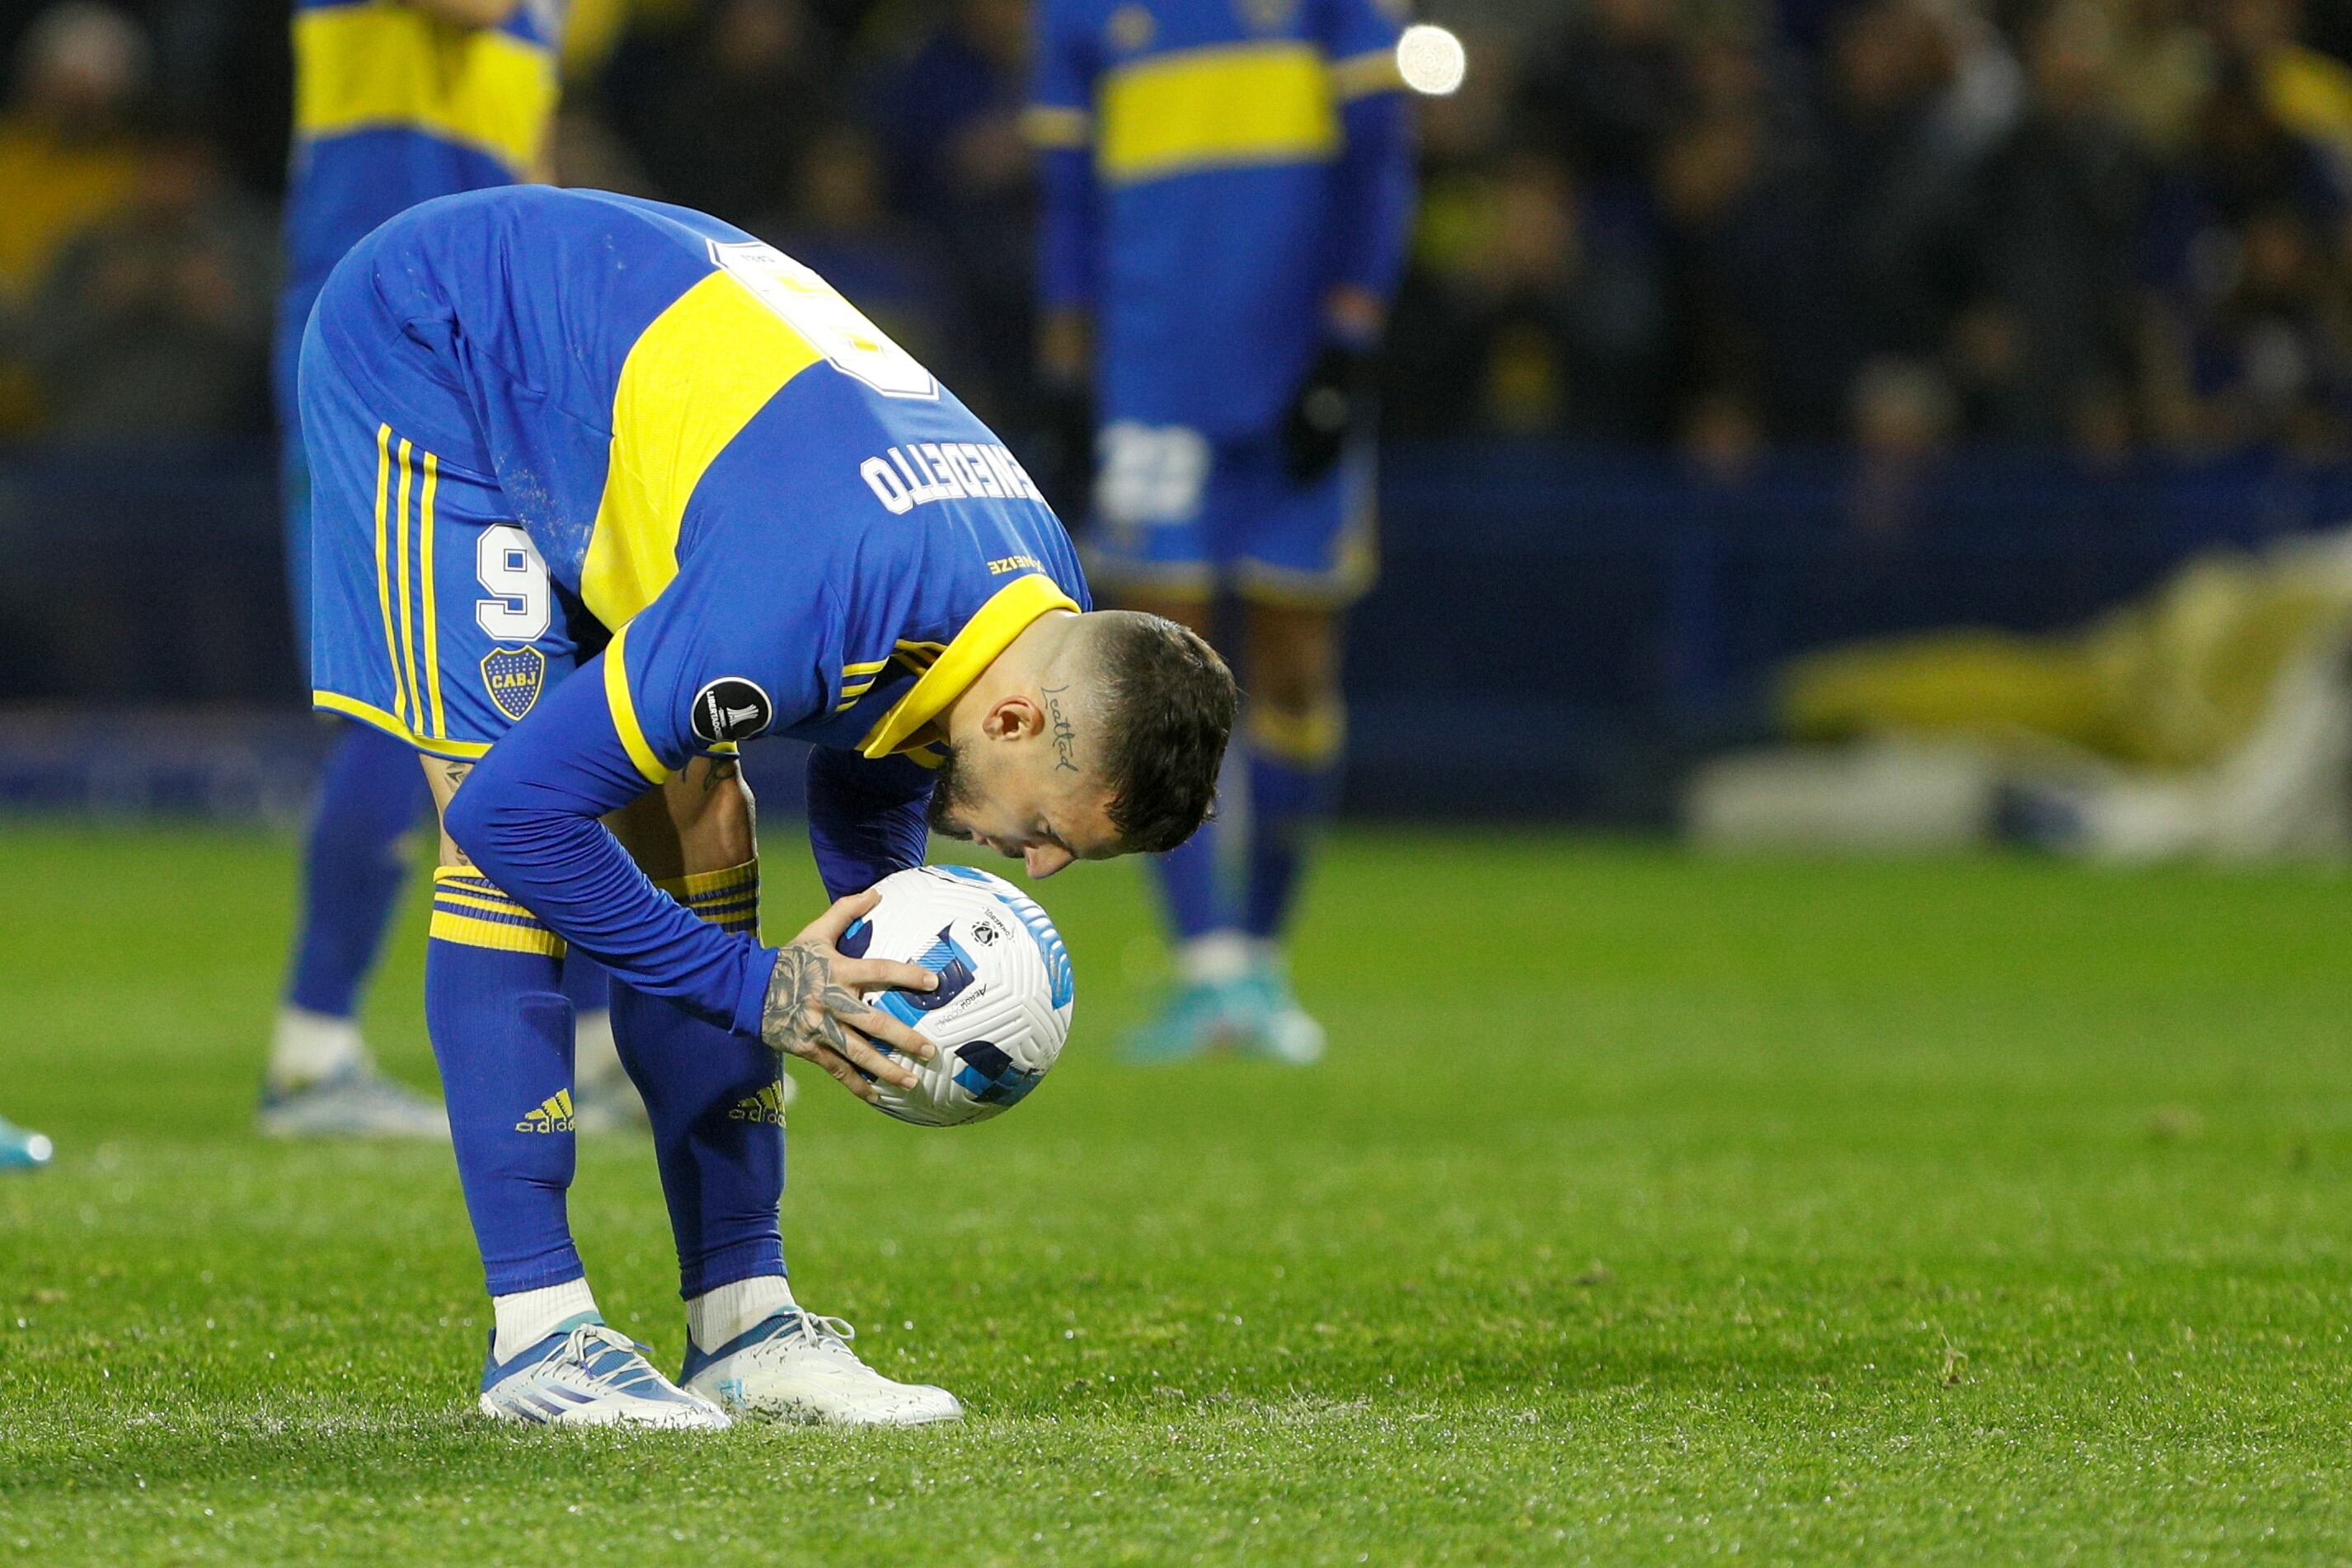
(1210,1008)
(1279,1028)
(593,1376)
(323,1084)
(582,1372)
(786,1363)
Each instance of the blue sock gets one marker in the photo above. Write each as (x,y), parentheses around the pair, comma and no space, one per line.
(1294,771)
(1191,878)
(372,794)
(502,1033)
(717,1114)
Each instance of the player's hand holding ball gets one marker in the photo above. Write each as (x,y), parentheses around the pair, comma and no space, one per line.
(961,1033)
(1000,1013)
(815,1011)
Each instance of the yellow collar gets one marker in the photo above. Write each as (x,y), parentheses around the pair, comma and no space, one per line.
(1008,613)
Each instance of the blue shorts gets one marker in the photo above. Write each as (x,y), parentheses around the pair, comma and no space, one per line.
(1176,512)
(433,615)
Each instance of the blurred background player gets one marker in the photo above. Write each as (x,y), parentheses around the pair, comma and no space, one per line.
(21,1150)
(396,102)
(1227,189)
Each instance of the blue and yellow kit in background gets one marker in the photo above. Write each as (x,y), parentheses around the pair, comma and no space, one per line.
(393,106)
(539,418)
(1212,170)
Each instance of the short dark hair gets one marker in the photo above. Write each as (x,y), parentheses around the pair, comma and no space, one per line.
(1168,704)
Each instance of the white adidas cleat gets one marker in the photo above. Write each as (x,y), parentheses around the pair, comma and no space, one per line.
(797,1366)
(1278,1027)
(591,1374)
(356,1102)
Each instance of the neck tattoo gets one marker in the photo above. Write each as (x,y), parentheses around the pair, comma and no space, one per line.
(1066,735)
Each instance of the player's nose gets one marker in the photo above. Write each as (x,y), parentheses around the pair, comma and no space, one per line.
(1044,859)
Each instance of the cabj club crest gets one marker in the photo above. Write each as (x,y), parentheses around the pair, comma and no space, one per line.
(514,678)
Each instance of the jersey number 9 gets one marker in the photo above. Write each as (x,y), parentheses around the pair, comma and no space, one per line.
(510,566)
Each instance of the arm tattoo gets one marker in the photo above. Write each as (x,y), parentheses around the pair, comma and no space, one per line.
(804,999)
(718,774)
(1066,735)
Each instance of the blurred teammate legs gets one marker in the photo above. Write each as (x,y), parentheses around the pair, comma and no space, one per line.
(1295,551)
(1294,732)
(1230,890)
(321,1080)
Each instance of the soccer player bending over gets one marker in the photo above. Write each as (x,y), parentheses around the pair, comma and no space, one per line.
(602,489)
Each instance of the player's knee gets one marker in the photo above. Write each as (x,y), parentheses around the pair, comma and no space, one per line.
(1294,660)
(711,810)
(1293,692)
(1293,677)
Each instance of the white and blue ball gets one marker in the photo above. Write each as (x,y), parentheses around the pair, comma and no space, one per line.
(1002,1007)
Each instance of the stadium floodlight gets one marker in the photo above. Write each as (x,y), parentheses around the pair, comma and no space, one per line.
(1431,60)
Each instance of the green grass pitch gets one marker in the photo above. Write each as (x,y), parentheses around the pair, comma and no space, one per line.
(1647,1210)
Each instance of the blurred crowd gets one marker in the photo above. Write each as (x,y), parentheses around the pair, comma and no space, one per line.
(2099,224)
(1721,225)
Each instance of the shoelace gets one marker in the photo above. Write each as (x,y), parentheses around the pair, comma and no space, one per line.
(604,1352)
(825,1332)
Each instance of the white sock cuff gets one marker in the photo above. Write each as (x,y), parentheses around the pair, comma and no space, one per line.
(716,1316)
(527,1317)
(1216,959)
(307,1047)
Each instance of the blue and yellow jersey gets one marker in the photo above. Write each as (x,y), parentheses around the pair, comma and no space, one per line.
(393,106)
(790,524)
(1213,128)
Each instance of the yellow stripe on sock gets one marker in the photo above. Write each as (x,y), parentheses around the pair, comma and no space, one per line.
(701,887)
(470,886)
(476,901)
(482,890)
(467,932)
(1308,739)
(698,890)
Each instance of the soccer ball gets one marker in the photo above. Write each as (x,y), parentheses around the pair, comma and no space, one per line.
(1002,1007)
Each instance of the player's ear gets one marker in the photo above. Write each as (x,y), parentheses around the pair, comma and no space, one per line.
(1014,718)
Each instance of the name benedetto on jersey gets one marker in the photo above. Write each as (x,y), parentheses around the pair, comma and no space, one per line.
(713,451)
